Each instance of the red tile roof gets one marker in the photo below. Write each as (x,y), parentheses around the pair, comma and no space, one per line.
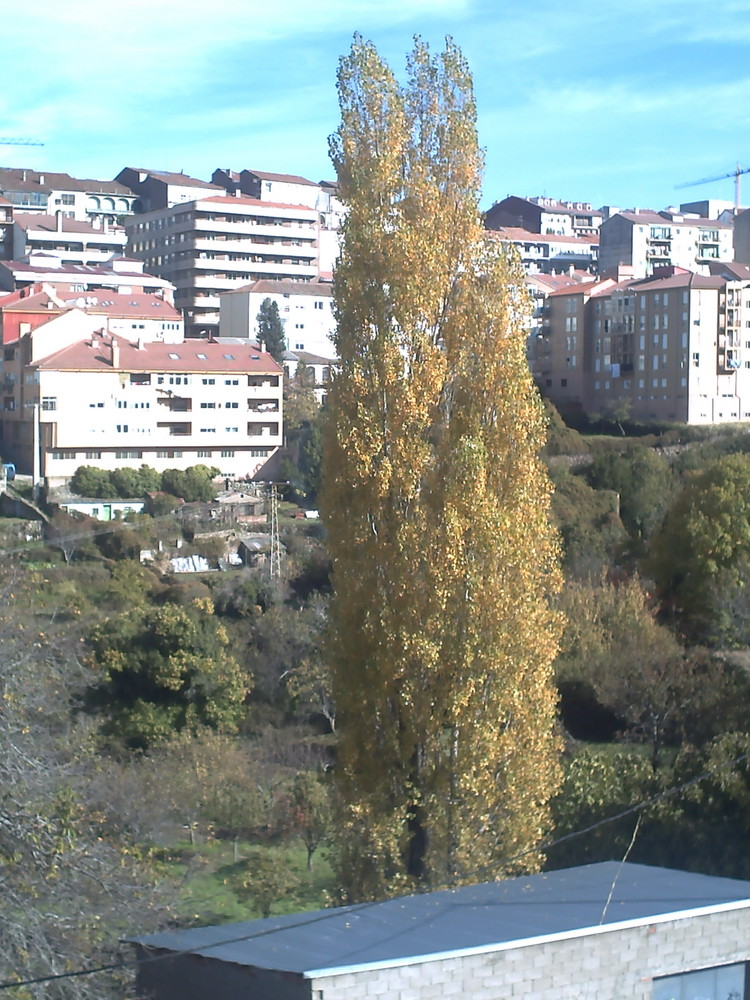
(266,286)
(515,234)
(244,200)
(191,356)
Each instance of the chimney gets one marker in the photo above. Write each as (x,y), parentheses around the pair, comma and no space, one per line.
(58,220)
(115,354)
(41,178)
(262,347)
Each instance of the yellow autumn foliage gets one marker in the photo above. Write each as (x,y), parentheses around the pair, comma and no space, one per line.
(436,503)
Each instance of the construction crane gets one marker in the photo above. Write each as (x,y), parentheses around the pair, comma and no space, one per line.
(736,173)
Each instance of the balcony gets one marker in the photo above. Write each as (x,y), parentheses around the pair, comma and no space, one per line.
(177,429)
(263,405)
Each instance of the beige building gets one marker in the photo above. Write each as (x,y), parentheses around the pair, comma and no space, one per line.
(221,243)
(647,241)
(673,347)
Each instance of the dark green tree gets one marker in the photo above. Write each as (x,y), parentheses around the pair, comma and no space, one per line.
(89,481)
(642,479)
(703,546)
(195,483)
(165,670)
(271,329)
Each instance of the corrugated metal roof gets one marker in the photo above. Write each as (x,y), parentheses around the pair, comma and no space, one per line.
(470,918)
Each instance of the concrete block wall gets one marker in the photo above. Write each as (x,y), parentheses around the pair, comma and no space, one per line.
(617,964)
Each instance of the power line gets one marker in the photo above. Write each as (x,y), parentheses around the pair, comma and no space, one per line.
(358,907)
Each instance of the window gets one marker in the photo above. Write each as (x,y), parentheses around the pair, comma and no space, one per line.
(63,455)
(722,983)
(203,453)
(231,381)
(10,403)
(49,402)
(231,406)
(209,381)
(227,453)
(208,406)
(9,353)
(93,454)
(122,428)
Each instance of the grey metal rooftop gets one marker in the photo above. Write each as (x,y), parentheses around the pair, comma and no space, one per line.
(470,918)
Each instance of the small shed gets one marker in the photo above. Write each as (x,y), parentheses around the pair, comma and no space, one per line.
(102,510)
(607,930)
(254,549)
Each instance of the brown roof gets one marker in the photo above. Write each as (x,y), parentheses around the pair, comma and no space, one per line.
(647,216)
(19,179)
(48,224)
(191,356)
(285,178)
(170,177)
(64,271)
(515,234)
(266,286)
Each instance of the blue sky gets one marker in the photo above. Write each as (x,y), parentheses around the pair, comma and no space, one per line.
(609,101)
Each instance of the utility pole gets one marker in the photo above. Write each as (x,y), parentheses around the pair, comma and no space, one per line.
(275,570)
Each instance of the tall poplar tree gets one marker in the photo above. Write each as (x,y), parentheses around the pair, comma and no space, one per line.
(436,503)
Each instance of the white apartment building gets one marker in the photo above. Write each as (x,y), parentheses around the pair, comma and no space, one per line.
(674,347)
(220,243)
(292,189)
(647,240)
(76,395)
(546,215)
(305,308)
(69,240)
(124,274)
(541,252)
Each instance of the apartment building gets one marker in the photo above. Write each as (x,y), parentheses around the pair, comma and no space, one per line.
(305,308)
(550,253)
(69,240)
(546,215)
(157,189)
(647,240)
(221,243)
(145,315)
(292,189)
(673,347)
(74,393)
(33,191)
(123,274)
(540,286)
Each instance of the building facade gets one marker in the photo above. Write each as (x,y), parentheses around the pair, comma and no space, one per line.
(221,243)
(674,347)
(31,191)
(546,215)
(69,240)
(305,309)
(647,241)
(551,254)
(75,392)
